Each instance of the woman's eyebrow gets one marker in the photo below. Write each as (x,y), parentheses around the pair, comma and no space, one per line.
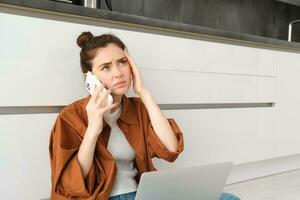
(121,58)
(110,62)
(104,64)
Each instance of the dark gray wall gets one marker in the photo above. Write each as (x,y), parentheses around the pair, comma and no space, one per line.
(267,18)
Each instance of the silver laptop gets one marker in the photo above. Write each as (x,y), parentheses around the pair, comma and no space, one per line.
(203,182)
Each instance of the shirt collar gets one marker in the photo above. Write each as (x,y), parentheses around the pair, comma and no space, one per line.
(129,112)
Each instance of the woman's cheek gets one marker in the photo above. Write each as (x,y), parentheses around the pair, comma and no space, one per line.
(129,82)
(107,84)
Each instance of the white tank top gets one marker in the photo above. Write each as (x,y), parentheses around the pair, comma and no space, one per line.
(123,154)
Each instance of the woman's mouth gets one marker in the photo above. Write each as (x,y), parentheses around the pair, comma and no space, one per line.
(120,84)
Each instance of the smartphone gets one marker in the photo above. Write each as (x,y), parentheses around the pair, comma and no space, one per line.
(91,84)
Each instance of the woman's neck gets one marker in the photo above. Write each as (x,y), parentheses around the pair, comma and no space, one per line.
(116,99)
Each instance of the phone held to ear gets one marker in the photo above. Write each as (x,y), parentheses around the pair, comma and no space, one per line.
(91,84)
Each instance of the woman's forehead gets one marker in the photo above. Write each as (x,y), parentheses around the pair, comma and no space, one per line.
(109,53)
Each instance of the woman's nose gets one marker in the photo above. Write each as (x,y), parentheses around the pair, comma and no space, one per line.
(117,72)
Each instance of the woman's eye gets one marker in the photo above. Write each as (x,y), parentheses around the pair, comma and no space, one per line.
(123,61)
(104,68)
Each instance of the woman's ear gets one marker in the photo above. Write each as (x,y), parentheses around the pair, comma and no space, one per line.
(84,76)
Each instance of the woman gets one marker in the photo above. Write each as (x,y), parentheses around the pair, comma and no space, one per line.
(99,151)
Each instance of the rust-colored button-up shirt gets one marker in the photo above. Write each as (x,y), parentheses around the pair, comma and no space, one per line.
(68,132)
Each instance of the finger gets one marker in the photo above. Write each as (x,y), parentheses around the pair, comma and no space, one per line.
(96,93)
(102,100)
(128,57)
(111,106)
(101,89)
(131,63)
(110,89)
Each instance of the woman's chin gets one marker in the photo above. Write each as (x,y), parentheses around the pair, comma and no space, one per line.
(119,91)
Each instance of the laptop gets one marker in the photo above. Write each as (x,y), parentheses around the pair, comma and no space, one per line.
(205,182)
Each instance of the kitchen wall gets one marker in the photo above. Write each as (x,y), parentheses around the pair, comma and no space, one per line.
(240,107)
(267,18)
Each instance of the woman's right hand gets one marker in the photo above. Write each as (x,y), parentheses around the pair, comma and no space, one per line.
(96,108)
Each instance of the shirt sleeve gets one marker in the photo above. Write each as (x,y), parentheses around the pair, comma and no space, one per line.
(155,147)
(66,175)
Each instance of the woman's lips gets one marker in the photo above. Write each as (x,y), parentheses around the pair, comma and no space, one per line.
(120,84)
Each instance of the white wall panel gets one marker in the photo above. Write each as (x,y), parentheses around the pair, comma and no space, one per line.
(287,105)
(43,65)
(195,87)
(25,165)
(174,53)
(240,135)
(40,61)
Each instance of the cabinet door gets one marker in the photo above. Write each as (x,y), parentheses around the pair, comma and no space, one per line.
(174,53)
(196,87)
(240,135)
(40,61)
(288,104)
(179,70)
(24,155)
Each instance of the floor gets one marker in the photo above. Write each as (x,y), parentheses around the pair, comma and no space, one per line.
(285,186)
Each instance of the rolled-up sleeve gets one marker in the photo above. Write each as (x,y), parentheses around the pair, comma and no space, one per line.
(66,175)
(158,149)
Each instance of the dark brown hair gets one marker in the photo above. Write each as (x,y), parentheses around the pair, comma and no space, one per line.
(89,44)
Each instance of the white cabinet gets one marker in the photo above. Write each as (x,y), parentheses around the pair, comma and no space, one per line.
(25,166)
(180,70)
(240,135)
(196,87)
(40,61)
(288,104)
(174,53)
(41,66)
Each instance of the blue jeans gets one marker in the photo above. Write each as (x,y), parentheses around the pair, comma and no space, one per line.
(131,196)
(127,196)
(227,196)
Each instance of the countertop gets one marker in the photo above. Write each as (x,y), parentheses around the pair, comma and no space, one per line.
(134,20)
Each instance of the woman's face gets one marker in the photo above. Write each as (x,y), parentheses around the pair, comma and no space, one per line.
(111,67)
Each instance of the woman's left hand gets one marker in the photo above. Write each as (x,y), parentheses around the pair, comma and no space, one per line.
(138,86)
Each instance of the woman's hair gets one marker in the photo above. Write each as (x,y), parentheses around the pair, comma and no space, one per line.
(89,44)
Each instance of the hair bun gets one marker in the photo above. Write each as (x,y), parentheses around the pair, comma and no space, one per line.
(83,38)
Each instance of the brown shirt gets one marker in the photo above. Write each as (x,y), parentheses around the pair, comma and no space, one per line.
(66,137)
